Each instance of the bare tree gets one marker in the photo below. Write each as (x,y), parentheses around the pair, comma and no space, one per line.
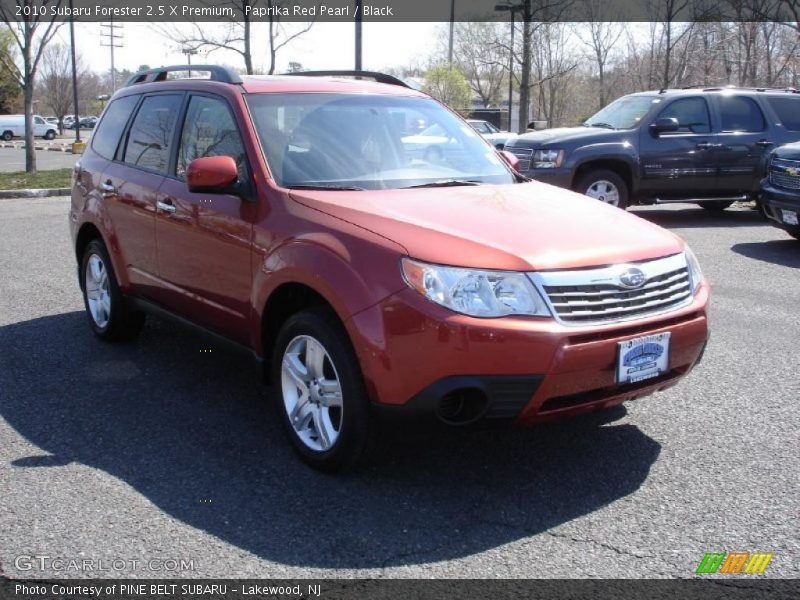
(237,34)
(601,37)
(480,57)
(56,81)
(31,34)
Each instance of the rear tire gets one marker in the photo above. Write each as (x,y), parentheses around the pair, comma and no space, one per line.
(110,316)
(320,392)
(715,205)
(7,136)
(605,186)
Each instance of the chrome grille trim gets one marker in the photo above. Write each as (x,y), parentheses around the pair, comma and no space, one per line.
(594,296)
(524,155)
(779,176)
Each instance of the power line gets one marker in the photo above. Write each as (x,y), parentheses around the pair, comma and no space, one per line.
(110,39)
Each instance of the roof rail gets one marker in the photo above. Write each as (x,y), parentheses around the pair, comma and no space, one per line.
(374,75)
(217,73)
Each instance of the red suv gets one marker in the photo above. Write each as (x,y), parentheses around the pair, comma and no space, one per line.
(372,267)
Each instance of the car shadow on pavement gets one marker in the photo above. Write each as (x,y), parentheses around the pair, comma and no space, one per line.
(188,429)
(696,217)
(778,252)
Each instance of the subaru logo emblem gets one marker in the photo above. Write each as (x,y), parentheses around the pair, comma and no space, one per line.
(632,277)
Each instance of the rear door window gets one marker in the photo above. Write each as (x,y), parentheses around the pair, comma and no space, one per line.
(106,138)
(150,137)
(691,113)
(209,130)
(740,114)
(788,111)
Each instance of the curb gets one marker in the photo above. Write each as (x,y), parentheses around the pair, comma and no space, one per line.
(43,193)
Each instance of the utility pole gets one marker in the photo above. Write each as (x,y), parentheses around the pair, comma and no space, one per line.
(73,52)
(189,52)
(108,34)
(452,33)
(358,35)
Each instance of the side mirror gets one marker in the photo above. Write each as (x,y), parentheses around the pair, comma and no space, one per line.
(510,159)
(212,175)
(665,125)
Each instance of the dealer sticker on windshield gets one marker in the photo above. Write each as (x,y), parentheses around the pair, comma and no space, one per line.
(643,358)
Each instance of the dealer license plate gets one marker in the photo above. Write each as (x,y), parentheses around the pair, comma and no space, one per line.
(643,358)
(789,217)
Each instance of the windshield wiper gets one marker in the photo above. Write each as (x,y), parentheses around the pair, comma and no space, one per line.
(445,183)
(605,125)
(314,186)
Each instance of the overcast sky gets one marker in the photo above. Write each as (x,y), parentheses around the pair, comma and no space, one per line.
(325,46)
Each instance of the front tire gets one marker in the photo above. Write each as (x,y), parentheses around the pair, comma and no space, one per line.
(320,391)
(606,186)
(109,315)
(7,136)
(50,135)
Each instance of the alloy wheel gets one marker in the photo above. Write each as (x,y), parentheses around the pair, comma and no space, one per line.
(98,296)
(312,393)
(605,191)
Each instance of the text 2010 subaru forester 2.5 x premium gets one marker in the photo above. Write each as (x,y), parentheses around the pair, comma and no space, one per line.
(285,214)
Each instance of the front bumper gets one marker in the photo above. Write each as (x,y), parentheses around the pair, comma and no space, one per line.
(775,199)
(561,177)
(414,353)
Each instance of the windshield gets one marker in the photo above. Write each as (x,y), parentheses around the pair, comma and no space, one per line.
(369,142)
(624,113)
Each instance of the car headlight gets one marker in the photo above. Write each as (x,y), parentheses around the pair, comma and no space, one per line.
(547,159)
(475,292)
(695,274)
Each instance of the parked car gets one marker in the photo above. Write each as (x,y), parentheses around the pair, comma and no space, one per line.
(69,121)
(497,137)
(780,191)
(52,120)
(88,122)
(12,126)
(286,216)
(707,146)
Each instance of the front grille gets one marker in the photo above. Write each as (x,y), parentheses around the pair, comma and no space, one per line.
(524,155)
(780,170)
(596,295)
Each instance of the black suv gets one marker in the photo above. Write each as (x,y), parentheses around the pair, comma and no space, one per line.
(780,191)
(706,145)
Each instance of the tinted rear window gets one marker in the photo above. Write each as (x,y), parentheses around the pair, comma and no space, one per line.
(740,113)
(150,137)
(788,111)
(106,139)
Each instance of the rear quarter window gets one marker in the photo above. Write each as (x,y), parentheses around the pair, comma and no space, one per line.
(788,111)
(106,138)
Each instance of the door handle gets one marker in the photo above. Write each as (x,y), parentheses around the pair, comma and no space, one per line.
(706,145)
(764,143)
(167,206)
(108,188)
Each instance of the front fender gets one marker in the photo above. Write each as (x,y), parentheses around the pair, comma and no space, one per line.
(350,278)
(619,151)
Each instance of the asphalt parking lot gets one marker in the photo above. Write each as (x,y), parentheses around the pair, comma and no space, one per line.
(157,450)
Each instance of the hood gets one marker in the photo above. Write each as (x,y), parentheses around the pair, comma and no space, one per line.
(559,135)
(517,227)
(790,151)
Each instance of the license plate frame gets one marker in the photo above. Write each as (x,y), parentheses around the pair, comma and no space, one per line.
(789,217)
(642,358)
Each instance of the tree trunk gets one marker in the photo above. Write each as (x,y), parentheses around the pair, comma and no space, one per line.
(248,57)
(27,90)
(525,76)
